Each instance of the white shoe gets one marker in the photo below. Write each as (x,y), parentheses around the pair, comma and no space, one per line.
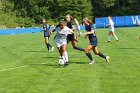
(91,62)
(52,48)
(107,58)
(49,50)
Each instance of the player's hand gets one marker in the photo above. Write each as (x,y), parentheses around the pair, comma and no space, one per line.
(85,36)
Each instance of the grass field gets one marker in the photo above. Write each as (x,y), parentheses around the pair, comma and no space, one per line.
(27,67)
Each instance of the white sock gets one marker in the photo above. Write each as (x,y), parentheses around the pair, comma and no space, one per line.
(116,37)
(109,36)
(66,56)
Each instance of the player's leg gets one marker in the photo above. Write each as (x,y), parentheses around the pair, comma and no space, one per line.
(89,47)
(76,47)
(65,54)
(109,36)
(96,52)
(68,41)
(113,33)
(60,51)
(47,43)
(75,37)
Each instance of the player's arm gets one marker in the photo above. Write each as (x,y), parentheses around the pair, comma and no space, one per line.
(72,27)
(88,33)
(70,31)
(108,24)
(51,31)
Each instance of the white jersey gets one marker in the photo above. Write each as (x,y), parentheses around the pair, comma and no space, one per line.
(77,27)
(111,23)
(61,35)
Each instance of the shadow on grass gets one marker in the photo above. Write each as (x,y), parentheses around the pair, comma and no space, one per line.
(79,62)
(34,51)
(129,48)
(49,57)
(86,62)
(48,64)
(42,64)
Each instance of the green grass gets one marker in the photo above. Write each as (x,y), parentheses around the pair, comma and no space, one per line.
(42,75)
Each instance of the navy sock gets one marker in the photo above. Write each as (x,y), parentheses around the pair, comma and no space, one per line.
(47,46)
(79,48)
(50,45)
(102,55)
(89,56)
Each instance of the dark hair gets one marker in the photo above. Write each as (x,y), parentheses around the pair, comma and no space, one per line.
(60,21)
(110,16)
(71,18)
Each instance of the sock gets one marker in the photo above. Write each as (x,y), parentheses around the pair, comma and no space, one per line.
(109,37)
(79,48)
(89,56)
(47,46)
(116,37)
(66,56)
(50,45)
(102,55)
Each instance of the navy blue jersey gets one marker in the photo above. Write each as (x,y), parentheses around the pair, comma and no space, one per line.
(89,28)
(45,25)
(92,37)
(69,24)
(47,31)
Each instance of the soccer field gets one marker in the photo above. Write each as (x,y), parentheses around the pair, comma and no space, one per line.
(27,67)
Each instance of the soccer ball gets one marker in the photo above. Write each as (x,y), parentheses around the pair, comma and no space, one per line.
(61,62)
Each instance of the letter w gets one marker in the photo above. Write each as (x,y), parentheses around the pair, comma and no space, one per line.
(135,20)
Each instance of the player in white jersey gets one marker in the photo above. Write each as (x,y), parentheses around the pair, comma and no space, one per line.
(77,27)
(111,28)
(60,39)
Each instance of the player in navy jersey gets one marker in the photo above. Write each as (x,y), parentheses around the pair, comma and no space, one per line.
(93,40)
(72,37)
(46,30)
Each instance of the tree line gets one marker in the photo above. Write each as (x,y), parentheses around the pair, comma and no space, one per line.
(56,9)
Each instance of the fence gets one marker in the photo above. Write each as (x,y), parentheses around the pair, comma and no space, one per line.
(20,30)
(27,30)
(120,21)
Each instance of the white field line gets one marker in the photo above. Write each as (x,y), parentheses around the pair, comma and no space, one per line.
(2,70)
(8,69)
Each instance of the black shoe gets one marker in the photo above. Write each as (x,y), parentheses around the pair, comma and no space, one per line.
(67,63)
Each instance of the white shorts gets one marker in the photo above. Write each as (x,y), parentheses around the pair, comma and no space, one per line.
(111,30)
(77,27)
(60,44)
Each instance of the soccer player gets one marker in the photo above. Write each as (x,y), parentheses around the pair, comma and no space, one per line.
(77,27)
(72,37)
(46,30)
(111,27)
(93,40)
(60,39)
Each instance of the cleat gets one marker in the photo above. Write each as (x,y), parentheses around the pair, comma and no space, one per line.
(49,50)
(91,62)
(107,59)
(108,41)
(67,63)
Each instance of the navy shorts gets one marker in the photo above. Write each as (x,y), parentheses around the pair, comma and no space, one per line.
(93,41)
(70,37)
(46,34)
